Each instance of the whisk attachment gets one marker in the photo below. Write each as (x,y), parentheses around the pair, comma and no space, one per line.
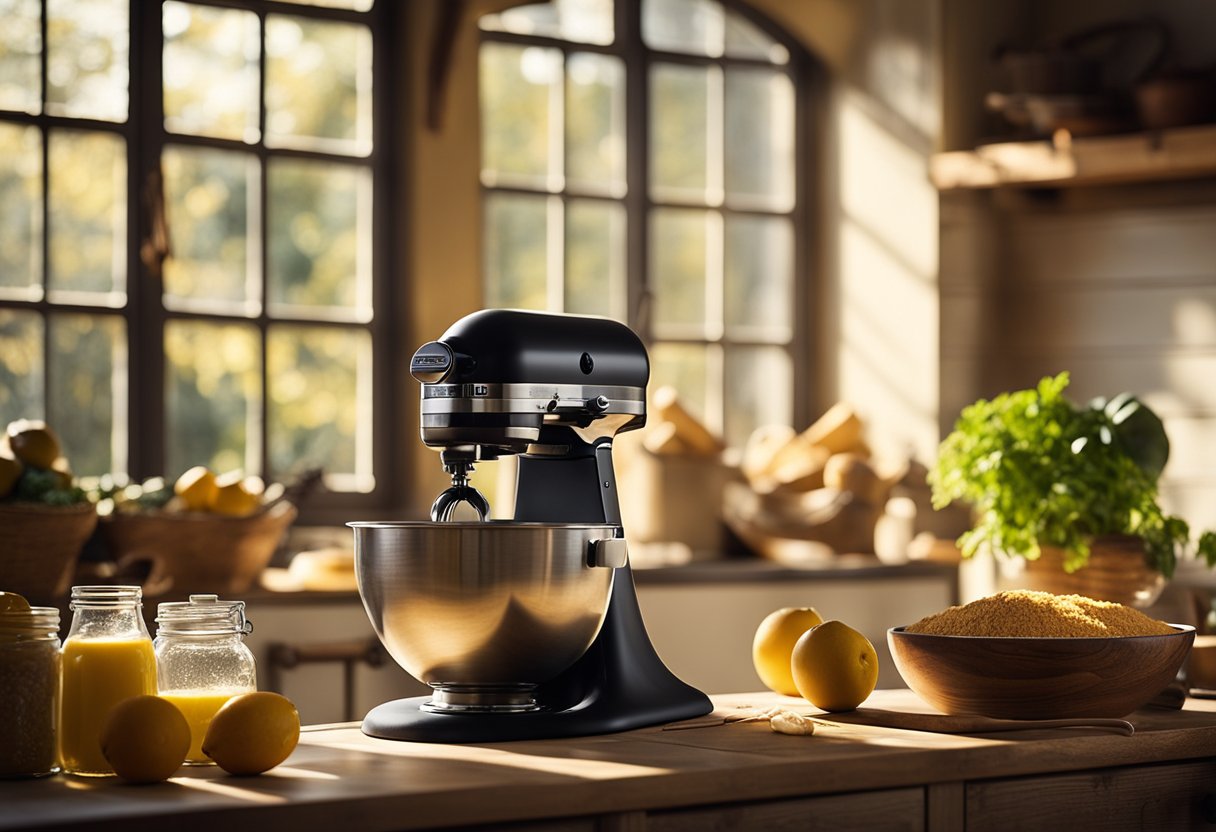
(459,493)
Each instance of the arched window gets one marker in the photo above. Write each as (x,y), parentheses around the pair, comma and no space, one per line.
(644,159)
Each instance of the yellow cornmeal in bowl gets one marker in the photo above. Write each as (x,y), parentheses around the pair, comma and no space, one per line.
(1024,613)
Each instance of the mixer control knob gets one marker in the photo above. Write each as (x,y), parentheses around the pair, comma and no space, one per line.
(598,405)
(433,362)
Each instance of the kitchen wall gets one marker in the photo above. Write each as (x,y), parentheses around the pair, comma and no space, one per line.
(1116,284)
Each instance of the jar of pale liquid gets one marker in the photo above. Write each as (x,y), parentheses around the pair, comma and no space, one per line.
(202,660)
(107,657)
(29,689)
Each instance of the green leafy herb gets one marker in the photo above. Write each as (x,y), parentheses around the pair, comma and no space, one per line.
(1039,470)
(52,488)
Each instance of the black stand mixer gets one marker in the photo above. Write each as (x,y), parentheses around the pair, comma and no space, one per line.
(528,628)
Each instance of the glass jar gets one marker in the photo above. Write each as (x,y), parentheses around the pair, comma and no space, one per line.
(107,657)
(29,691)
(202,660)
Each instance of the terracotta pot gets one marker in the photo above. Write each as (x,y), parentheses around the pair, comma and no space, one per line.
(1117,571)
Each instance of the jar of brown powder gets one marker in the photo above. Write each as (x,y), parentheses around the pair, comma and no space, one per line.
(29,691)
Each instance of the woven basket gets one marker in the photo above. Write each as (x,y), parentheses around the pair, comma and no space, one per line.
(195,552)
(39,547)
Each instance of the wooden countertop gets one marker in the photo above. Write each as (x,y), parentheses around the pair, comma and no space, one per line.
(340,779)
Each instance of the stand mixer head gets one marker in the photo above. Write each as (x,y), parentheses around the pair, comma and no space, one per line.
(530,627)
(545,386)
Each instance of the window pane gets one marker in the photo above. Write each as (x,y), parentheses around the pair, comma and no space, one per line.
(516,253)
(87,56)
(20,211)
(581,21)
(678,264)
(759,140)
(759,274)
(208,197)
(761,385)
(21,369)
(595,258)
(20,48)
(319,225)
(211,71)
(320,403)
(684,367)
(517,91)
(88,391)
(745,40)
(595,122)
(318,85)
(692,26)
(88,209)
(213,400)
(679,132)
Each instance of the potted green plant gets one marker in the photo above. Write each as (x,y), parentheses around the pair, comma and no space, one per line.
(1045,476)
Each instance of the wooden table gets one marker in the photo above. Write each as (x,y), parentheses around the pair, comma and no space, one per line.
(740,776)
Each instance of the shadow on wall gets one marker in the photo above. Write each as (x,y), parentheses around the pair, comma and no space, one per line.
(878,303)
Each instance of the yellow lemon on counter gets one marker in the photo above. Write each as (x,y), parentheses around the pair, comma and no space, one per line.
(12,602)
(774,644)
(196,488)
(834,666)
(10,472)
(145,739)
(252,733)
(33,442)
(236,495)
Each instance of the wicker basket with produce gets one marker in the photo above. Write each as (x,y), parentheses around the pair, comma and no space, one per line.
(45,518)
(205,533)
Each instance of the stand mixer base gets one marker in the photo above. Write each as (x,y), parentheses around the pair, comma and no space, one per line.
(405,719)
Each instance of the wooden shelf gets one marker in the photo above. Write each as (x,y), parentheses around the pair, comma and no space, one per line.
(1065,161)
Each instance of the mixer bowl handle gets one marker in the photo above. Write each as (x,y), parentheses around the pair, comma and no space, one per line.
(610,552)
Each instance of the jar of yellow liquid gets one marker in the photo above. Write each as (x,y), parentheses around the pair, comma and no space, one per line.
(107,657)
(29,688)
(202,660)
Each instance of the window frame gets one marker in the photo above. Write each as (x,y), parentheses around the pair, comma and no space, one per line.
(145,313)
(808,80)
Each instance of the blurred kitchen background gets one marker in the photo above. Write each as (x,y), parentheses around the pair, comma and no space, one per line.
(225,226)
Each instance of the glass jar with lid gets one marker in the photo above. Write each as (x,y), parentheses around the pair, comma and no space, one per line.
(29,688)
(202,660)
(107,657)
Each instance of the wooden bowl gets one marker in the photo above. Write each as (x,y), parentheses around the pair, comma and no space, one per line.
(1038,678)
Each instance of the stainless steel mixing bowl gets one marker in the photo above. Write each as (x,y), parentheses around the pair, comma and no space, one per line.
(485,612)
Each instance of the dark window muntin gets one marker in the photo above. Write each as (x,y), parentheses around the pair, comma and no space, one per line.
(144,312)
(805,74)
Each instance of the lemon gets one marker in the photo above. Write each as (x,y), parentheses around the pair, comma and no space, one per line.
(10,472)
(12,602)
(196,488)
(145,739)
(774,642)
(33,442)
(235,495)
(252,733)
(834,666)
